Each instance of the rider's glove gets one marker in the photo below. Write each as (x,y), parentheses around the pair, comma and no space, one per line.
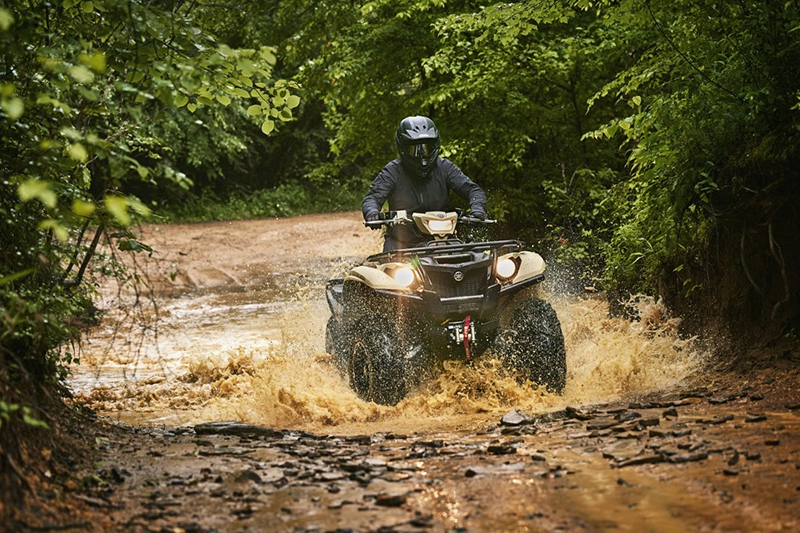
(480,215)
(371,218)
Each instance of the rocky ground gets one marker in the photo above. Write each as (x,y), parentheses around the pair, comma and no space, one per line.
(711,459)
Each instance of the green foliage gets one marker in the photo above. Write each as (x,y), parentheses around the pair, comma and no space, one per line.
(99,101)
(285,200)
(7,410)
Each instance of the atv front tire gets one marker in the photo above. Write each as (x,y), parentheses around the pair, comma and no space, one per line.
(532,344)
(375,365)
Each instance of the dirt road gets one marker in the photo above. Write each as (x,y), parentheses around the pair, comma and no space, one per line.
(231,419)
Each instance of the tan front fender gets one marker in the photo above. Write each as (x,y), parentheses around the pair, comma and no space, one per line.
(374,278)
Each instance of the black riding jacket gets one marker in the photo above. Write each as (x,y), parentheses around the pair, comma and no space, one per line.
(395,184)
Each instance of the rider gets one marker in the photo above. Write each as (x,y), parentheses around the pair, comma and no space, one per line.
(418,181)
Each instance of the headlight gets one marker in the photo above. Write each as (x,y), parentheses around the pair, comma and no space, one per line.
(506,268)
(441,226)
(404,276)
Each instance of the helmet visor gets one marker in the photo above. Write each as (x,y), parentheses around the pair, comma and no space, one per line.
(424,149)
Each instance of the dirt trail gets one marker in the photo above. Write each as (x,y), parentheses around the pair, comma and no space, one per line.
(643,439)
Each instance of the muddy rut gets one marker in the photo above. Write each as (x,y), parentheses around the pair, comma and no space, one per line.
(227,415)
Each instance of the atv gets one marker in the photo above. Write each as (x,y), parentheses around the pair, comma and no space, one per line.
(399,313)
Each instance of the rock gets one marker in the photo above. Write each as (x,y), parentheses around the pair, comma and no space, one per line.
(730,472)
(640,460)
(755,417)
(688,457)
(235,428)
(515,417)
(602,423)
(772,442)
(578,413)
(247,475)
(226,450)
(473,471)
(391,499)
(501,449)
(734,459)
(648,422)
(671,412)
(717,420)
(627,415)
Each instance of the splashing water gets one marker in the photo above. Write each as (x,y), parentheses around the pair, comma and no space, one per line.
(289,381)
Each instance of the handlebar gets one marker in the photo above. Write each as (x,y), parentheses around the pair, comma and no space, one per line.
(390,218)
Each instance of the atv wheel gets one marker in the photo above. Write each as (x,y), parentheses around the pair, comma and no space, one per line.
(533,345)
(375,366)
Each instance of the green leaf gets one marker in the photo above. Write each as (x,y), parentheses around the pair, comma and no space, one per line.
(254,110)
(223,99)
(81,74)
(292,101)
(39,189)
(268,126)
(285,114)
(6,19)
(14,107)
(191,107)
(82,208)
(181,100)
(637,101)
(117,207)
(87,7)
(96,61)
(77,152)
(59,231)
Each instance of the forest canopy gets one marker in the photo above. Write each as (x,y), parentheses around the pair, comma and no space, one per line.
(647,146)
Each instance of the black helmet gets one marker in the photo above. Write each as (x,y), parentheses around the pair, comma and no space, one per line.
(417,141)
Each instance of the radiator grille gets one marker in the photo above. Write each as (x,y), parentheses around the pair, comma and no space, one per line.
(445,285)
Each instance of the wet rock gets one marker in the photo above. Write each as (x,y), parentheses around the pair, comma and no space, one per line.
(394,477)
(734,459)
(330,476)
(755,417)
(640,460)
(721,399)
(717,420)
(670,413)
(515,417)
(688,457)
(678,433)
(578,413)
(247,475)
(226,450)
(772,442)
(641,405)
(236,428)
(602,423)
(421,520)
(756,397)
(473,471)
(501,449)
(647,422)
(730,472)
(627,416)
(375,463)
(391,499)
